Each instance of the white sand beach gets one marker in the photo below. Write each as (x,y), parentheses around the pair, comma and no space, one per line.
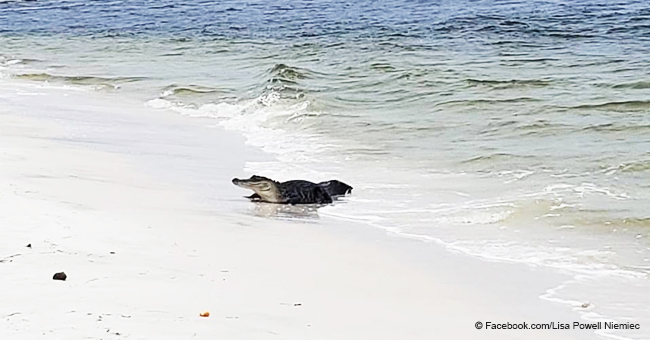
(135,205)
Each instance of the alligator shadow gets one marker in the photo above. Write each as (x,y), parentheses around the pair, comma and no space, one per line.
(301,212)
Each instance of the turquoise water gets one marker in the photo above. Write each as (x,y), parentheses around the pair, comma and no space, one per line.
(509,130)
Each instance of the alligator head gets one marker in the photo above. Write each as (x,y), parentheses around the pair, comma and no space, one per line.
(266,188)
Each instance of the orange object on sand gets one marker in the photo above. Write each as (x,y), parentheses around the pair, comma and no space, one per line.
(205,314)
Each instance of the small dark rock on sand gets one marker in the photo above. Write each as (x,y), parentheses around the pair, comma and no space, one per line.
(29,245)
(60,276)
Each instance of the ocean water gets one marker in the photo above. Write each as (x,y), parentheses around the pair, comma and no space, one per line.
(513,131)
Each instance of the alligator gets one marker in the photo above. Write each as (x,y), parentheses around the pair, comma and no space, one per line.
(292,192)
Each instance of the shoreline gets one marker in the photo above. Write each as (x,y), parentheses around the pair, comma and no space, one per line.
(177,252)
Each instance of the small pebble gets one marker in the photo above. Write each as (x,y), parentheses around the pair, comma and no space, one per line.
(60,276)
(29,245)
